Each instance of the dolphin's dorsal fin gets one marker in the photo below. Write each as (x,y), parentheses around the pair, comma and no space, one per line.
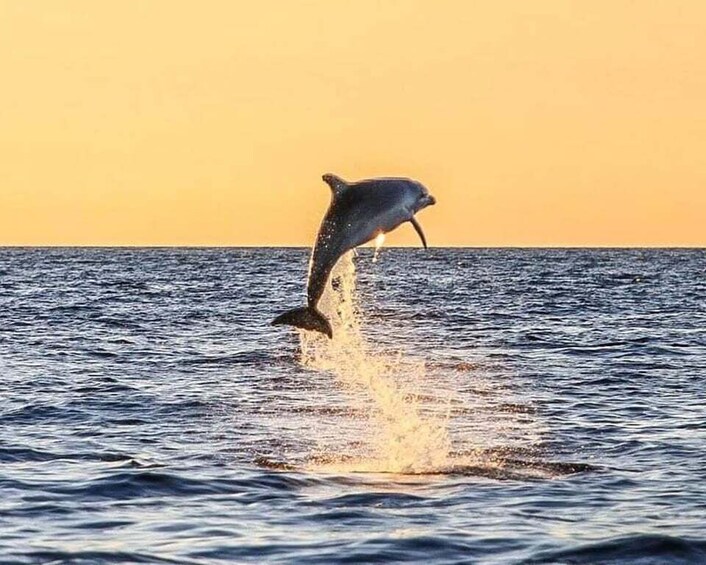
(337,184)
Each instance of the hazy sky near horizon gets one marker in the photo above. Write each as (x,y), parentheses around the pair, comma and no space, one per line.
(210,123)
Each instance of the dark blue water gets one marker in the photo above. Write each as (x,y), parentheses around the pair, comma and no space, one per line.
(149,413)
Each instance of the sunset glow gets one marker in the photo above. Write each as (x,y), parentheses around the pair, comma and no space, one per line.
(211,123)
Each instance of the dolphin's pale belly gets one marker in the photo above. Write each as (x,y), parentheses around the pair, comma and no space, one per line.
(384,223)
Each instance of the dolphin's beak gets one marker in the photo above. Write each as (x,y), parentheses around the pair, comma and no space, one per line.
(430,200)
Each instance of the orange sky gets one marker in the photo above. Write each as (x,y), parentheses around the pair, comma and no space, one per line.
(210,123)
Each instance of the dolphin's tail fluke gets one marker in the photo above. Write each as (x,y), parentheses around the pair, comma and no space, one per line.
(306,318)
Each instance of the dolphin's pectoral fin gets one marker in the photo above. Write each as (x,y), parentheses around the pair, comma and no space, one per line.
(337,184)
(419,230)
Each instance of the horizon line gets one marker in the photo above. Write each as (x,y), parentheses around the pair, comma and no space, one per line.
(287,246)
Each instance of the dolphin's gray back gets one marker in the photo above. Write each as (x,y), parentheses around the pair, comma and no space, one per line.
(356,215)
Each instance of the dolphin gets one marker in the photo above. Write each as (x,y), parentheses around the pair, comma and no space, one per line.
(359,212)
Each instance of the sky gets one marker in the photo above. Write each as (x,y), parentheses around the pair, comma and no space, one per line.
(167,122)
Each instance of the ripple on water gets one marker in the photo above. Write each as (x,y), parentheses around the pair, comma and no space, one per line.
(552,401)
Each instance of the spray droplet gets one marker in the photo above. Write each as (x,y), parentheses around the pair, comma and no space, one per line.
(400,437)
(379,240)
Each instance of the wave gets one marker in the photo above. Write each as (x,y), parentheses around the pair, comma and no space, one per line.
(133,480)
(88,556)
(485,464)
(255,358)
(16,454)
(639,549)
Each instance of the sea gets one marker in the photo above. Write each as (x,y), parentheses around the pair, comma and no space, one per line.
(491,406)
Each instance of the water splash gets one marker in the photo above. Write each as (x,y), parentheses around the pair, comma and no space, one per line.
(401,437)
(379,241)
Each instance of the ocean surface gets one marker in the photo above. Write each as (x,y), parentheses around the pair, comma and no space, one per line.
(475,406)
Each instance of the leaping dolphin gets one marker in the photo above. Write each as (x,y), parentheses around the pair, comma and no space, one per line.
(359,212)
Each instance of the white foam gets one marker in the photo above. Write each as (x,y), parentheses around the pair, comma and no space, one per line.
(399,437)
